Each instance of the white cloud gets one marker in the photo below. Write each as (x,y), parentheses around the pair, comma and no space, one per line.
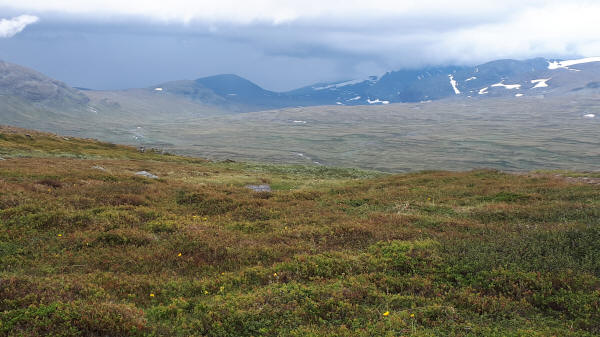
(11,27)
(393,34)
(274,11)
(568,28)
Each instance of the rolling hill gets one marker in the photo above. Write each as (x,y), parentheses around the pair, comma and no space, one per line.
(90,247)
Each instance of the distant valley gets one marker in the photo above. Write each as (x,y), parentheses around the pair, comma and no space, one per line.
(506,114)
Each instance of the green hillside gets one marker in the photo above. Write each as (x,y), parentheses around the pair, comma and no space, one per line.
(89,248)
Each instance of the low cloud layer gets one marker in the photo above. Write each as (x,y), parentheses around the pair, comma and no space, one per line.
(11,27)
(283,44)
(464,31)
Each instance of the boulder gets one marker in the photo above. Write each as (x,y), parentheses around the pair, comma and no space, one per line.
(146,174)
(259,188)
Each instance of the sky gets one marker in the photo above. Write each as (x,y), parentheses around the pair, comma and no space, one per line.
(283,44)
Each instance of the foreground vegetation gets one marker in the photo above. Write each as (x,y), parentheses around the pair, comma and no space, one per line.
(88,248)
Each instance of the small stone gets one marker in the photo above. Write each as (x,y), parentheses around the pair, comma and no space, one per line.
(259,188)
(146,174)
(98,168)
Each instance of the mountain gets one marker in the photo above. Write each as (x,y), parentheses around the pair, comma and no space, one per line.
(31,86)
(228,91)
(493,79)
(500,78)
(31,99)
(25,93)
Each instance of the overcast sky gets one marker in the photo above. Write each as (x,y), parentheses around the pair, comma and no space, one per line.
(279,44)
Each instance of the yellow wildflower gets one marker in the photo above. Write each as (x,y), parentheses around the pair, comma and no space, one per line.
(222,288)
(179,254)
(205,292)
(59,235)
(412,315)
(205,219)
(151,295)
(387,313)
(275,274)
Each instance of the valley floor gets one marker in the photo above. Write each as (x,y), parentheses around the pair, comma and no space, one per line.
(89,248)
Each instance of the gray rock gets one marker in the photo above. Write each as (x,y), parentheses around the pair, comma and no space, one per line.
(146,174)
(259,188)
(98,168)
(2,158)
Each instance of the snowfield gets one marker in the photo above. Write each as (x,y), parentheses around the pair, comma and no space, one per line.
(541,83)
(375,101)
(454,85)
(507,86)
(566,64)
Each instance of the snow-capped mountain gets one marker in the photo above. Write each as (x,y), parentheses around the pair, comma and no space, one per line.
(499,78)
(494,79)
(231,93)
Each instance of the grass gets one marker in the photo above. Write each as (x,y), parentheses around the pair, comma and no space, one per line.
(330,252)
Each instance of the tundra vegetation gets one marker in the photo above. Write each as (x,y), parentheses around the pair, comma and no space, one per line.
(88,248)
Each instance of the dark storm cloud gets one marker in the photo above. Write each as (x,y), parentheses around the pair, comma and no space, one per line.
(287,44)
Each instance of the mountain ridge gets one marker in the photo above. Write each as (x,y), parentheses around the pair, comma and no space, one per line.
(506,77)
(25,89)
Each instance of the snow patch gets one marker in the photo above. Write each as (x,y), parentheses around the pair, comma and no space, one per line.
(507,86)
(470,79)
(299,122)
(541,83)
(454,85)
(375,101)
(483,91)
(566,64)
(338,85)
(335,86)
(158,89)
(589,115)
